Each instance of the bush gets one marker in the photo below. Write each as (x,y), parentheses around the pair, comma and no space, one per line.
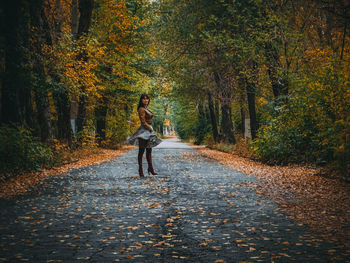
(20,151)
(313,125)
(209,140)
(185,119)
(117,129)
(282,143)
(202,129)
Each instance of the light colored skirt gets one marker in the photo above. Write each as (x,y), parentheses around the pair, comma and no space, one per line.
(144,138)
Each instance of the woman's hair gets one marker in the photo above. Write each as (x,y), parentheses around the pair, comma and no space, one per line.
(140,102)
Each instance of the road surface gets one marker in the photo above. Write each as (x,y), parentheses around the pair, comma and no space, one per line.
(194,210)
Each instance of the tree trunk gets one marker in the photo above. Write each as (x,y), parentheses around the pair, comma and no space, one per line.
(251,105)
(217,113)
(200,108)
(201,126)
(227,130)
(40,85)
(74,18)
(213,119)
(242,120)
(278,82)
(15,94)
(242,102)
(82,113)
(43,112)
(226,123)
(85,9)
(64,132)
(101,115)
(346,18)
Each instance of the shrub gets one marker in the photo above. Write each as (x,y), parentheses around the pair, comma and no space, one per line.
(20,151)
(209,140)
(202,129)
(314,125)
(283,143)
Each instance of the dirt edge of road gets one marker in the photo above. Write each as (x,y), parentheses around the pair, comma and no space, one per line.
(20,184)
(322,204)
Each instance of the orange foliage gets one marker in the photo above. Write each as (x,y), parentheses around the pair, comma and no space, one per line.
(107,43)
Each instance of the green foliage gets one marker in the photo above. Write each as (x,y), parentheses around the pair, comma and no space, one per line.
(314,125)
(225,147)
(202,129)
(20,151)
(209,140)
(185,119)
(159,108)
(194,52)
(117,128)
(188,125)
(280,142)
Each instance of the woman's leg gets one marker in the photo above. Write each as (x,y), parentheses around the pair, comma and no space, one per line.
(149,161)
(142,147)
(139,159)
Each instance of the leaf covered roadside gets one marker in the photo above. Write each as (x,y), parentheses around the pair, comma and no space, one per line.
(21,184)
(322,204)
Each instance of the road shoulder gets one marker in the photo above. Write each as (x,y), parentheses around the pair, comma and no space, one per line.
(20,184)
(322,204)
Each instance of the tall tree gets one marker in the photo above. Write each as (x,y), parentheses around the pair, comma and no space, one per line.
(85,10)
(40,85)
(15,94)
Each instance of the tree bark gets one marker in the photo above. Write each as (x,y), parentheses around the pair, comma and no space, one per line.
(344,33)
(101,115)
(200,108)
(74,17)
(226,124)
(62,104)
(242,120)
(278,82)
(85,9)
(82,113)
(227,130)
(15,94)
(43,113)
(217,113)
(213,120)
(40,85)
(251,105)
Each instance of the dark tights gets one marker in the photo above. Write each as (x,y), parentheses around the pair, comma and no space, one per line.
(148,154)
(141,151)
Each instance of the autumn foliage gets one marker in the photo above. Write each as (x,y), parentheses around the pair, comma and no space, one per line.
(314,125)
(74,66)
(281,65)
(73,69)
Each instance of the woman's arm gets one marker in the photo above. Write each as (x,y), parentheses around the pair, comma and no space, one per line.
(142,116)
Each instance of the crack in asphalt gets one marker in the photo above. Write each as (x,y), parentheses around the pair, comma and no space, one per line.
(194,210)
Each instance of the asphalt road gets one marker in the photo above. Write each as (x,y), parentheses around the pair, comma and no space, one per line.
(194,210)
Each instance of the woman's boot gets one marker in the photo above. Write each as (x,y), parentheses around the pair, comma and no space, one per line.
(149,161)
(139,158)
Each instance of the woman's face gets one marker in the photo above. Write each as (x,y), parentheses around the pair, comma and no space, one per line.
(145,101)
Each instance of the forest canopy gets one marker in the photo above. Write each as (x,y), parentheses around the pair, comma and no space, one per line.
(72,72)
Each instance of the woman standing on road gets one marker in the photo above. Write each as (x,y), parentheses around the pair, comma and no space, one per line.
(145,136)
